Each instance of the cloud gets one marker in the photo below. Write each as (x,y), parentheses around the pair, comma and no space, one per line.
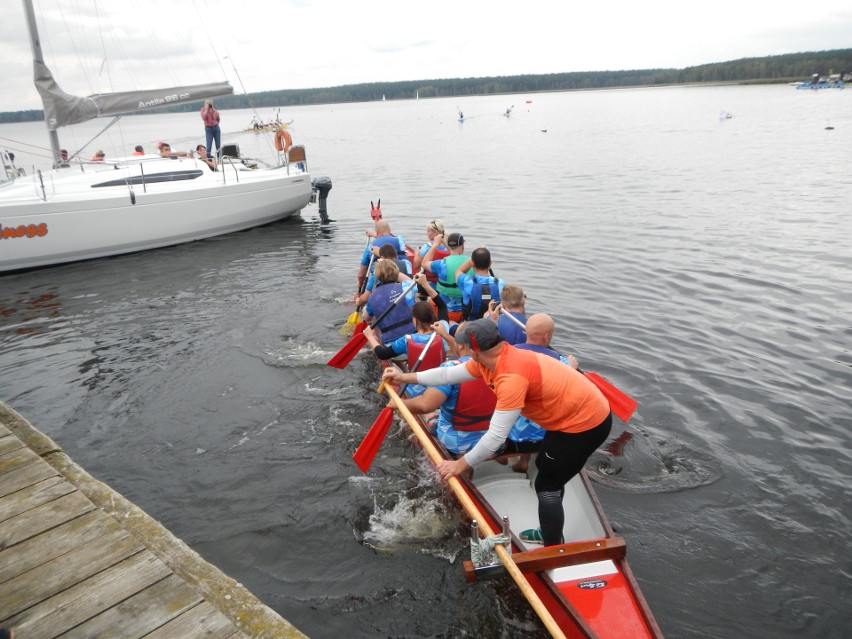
(96,46)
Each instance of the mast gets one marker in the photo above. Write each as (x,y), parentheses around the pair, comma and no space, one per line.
(38,59)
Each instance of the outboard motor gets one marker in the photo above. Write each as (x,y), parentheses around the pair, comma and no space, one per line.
(321,186)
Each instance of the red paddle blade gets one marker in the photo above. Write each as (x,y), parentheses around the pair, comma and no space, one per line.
(349,351)
(621,404)
(360,328)
(366,452)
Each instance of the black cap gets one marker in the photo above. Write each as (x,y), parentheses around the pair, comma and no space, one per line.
(479,335)
(455,240)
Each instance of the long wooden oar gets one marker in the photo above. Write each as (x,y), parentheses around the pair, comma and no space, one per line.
(356,342)
(620,402)
(474,513)
(366,452)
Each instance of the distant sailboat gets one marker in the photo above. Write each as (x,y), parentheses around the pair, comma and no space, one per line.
(417,95)
(383,97)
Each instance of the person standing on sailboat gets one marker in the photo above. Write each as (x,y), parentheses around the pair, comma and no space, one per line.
(210,117)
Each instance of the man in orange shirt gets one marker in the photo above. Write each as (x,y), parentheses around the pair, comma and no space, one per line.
(558,398)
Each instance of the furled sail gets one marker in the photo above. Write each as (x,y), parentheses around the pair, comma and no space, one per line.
(62,109)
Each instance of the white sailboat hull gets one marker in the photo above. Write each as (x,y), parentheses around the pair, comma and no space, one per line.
(67,215)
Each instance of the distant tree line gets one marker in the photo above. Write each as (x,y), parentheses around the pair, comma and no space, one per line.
(770,69)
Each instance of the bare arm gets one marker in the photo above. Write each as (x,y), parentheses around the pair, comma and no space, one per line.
(430,254)
(429,401)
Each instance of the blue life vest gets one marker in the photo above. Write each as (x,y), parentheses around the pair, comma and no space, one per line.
(484,290)
(379,242)
(396,323)
(539,349)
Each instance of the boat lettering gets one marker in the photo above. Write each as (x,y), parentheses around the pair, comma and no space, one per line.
(593,584)
(175,97)
(28,230)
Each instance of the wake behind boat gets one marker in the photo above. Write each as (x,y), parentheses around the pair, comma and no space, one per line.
(95,209)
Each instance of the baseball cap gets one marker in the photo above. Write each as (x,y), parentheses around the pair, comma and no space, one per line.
(455,240)
(479,335)
(160,145)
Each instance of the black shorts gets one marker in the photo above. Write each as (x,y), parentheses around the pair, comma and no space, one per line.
(563,455)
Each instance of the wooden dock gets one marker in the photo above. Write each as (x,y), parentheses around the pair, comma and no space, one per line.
(79,560)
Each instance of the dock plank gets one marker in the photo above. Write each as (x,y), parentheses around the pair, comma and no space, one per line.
(8,443)
(79,560)
(143,612)
(17,458)
(55,542)
(89,598)
(24,476)
(56,575)
(44,517)
(33,496)
(200,622)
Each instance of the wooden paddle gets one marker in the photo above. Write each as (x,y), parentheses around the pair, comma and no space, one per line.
(356,342)
(366,452)
(473,512)
(621,404)
(353,319)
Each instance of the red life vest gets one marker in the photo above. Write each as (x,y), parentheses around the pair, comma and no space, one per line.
(475,406)
(440,254)
(434,358)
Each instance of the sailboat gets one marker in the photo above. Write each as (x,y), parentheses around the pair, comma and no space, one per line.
(122,205)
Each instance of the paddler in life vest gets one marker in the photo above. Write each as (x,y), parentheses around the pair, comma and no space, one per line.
(386,252)
(561,400)
(480,287)
(382,236)
(398,321)
(435,227)
(465,414)
(425,319)
(446,270)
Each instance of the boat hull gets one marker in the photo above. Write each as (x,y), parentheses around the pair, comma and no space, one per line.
(65,215)
(597,598)
(585,584)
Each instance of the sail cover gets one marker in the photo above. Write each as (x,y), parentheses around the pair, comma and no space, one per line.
(62,109)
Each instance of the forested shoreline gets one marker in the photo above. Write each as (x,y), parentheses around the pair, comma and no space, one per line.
(770,69)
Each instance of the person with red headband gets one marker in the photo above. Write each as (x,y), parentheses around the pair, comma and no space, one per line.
(574,413)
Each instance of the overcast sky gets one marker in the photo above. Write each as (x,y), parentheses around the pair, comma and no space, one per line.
(98,45)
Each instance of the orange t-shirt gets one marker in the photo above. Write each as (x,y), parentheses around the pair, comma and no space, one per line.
(548,392)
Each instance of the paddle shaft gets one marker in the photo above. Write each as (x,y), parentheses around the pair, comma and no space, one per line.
(419,360)
(474,513)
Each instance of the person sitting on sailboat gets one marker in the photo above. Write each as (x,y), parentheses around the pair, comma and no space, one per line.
(166,151)
(138,150)
(99,156)
(202,155)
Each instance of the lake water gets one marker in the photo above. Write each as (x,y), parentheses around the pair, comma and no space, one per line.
(702,264)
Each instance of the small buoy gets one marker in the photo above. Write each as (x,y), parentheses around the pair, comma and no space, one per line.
(544,130)
(829,128)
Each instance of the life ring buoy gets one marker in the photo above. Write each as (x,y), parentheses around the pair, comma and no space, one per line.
(283,141)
